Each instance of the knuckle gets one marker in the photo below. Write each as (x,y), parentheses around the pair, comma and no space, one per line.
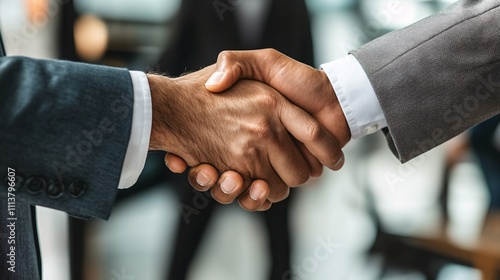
(300,178)
(250,152)
(244,156)
(268,100)
(271,52)
(263,130)
(227,56)
(314,132)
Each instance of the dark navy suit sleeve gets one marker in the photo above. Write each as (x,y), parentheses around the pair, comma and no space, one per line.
(64,129)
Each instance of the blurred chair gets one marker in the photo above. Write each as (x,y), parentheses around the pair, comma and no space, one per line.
(468,233)
(204,31)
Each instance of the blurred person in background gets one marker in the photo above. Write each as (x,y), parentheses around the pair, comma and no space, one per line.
(204,29)
(485,143)
(483,140)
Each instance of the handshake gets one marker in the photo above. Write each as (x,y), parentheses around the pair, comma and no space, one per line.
(251,126)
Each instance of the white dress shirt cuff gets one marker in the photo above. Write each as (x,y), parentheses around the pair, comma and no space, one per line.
(356,96)
(137,150)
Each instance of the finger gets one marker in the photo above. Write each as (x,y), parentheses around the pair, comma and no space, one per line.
(266,206)
(254,198)
(314,164)
(277,189)
(314,136)
(175,163)
(228,187)
(288,163)
(203,177)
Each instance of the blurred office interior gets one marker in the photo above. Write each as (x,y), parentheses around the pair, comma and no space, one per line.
(435,217)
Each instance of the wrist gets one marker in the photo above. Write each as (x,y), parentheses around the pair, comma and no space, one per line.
(175,127)
(161,87)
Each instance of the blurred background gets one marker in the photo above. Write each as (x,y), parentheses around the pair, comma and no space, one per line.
(435,217)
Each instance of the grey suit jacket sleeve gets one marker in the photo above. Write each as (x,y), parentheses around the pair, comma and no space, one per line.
(438,77)
(64,128)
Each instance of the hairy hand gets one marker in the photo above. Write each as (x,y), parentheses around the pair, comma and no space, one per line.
(303,85)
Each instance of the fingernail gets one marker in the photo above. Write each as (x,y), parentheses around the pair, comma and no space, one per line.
(340,161)
(202,179)
(228,185)
(256,192)
(215,78)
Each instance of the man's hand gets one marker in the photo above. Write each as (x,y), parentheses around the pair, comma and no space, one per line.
(303,85)
(247,129)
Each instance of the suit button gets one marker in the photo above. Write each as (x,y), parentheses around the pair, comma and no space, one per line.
(55,189)
(35,185)
(77,188)
(19,182)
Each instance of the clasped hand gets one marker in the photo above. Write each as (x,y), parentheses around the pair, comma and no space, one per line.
(251,126)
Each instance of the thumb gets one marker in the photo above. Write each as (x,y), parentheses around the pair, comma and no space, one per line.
(229,71)
(215,82)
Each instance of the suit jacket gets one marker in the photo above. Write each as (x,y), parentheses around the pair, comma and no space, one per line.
(64,131)
(437,77)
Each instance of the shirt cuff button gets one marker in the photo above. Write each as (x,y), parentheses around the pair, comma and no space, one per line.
(371,129)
